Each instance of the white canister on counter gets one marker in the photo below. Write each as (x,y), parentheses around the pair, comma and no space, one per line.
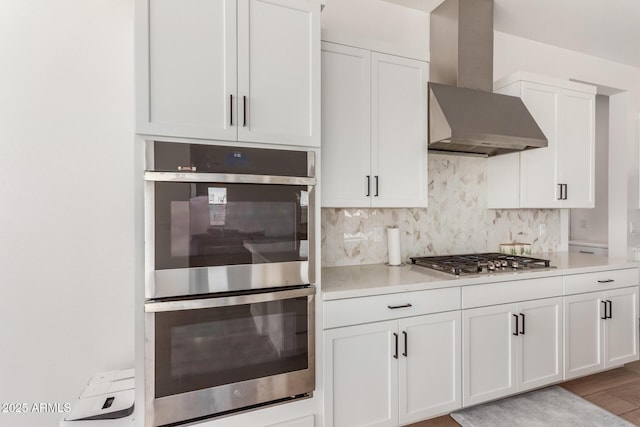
(393,241)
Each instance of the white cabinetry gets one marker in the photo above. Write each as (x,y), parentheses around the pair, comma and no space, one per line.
(560,175)
(510,348)
(429,366)
(397,359)
(246,70)
(373,129)
(361,375)
(395,371)
(308,421)
(601,328)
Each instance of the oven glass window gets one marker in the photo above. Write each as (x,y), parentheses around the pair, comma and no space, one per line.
(213,224)
(203,348)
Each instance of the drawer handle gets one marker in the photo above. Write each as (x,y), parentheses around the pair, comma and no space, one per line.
(605,281)
(393,307)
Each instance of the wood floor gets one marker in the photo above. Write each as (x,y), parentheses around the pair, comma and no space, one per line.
(617,391)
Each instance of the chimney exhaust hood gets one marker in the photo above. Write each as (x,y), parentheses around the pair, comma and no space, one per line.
(465,116)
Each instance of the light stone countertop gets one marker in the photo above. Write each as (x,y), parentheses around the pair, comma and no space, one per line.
(379,279)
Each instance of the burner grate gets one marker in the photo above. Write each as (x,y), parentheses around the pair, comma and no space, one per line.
(492,262)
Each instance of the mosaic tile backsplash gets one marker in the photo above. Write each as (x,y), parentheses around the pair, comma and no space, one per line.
(456,221)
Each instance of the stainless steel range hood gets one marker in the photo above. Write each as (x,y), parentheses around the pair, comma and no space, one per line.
(465,116)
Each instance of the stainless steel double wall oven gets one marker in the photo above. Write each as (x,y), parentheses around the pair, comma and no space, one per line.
(229,301)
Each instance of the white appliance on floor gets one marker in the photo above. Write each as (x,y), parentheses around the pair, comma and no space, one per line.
(107,400)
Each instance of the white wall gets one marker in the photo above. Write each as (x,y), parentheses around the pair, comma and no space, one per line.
(66,197)
(593,224)
(377,25)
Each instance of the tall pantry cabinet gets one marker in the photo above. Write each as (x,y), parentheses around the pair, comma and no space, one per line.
(232,70)
(374,129)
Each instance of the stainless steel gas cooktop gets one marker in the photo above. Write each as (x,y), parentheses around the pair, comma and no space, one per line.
(486,263)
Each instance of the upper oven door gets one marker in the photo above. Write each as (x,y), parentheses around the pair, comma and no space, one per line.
(220,232)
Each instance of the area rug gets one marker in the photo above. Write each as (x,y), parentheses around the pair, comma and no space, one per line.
(552,406)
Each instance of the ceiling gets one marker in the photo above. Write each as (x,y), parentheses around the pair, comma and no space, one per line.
(607,29)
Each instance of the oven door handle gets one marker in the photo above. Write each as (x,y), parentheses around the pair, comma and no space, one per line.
(231,178)
(213,302)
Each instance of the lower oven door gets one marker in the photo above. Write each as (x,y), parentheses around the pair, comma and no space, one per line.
(213,355)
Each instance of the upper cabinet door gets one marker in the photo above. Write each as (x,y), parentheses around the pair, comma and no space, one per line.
(560,175)
(399,131)
(538,187)
(576,154)
(186,68)
(346,126)
(279,71)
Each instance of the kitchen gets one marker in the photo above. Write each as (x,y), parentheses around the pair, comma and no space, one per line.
(67,56)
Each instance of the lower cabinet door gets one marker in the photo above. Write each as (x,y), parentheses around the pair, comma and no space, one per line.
(583,352)
(540,343)
(361,375)
(308,421)
(621,326)
(429,366)
(488,353)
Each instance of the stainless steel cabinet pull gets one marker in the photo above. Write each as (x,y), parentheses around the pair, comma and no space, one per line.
(610,309)
(244,111)
(604,316)
(368,185)
(377,180)
(186,168)
(522,316)
(230,110)
(393,307)
(605,281)
(405,343)
(566,192)
(395,356)
(516,328)
(587,252)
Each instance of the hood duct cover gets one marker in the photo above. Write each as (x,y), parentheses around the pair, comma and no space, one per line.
(464,115)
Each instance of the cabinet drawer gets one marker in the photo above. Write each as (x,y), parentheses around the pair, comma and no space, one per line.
(601,280)
(511,291)
(352,311)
